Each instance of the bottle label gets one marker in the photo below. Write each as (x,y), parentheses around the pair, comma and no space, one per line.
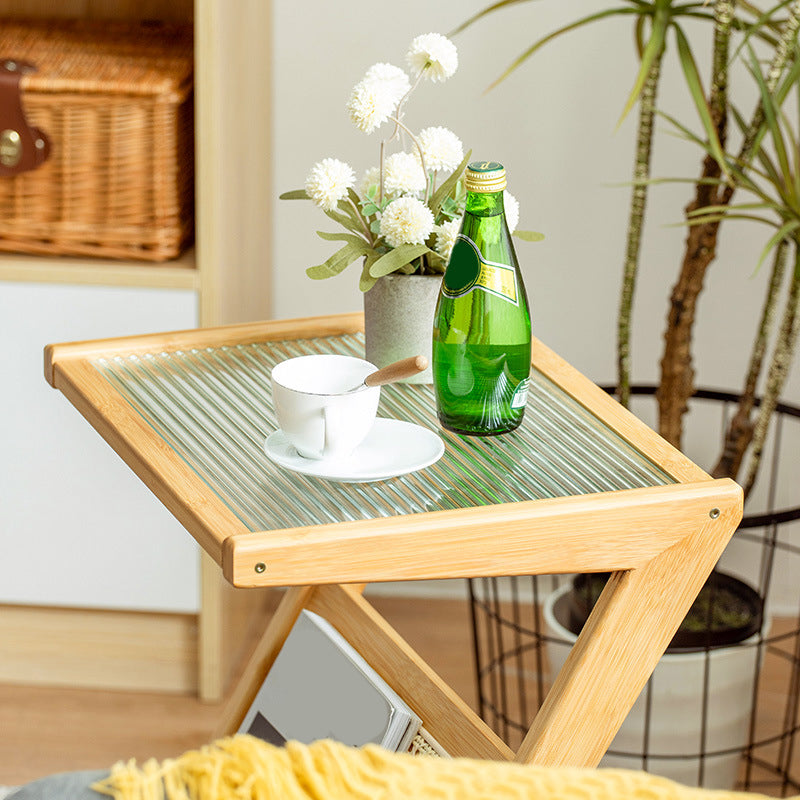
(520,397)
(468,270)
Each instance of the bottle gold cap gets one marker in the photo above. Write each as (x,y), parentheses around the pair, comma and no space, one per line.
(485,176)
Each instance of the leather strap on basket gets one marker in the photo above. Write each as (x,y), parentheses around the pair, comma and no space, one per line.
(22,146)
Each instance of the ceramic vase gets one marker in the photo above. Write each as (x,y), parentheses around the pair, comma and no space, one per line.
(398,320)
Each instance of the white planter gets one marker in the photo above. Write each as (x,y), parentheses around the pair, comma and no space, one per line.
(398,320)
(676,709)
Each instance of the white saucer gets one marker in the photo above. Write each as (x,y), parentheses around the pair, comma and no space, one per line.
(392,448)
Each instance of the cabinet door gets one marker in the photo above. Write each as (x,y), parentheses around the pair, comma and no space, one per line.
(77,527)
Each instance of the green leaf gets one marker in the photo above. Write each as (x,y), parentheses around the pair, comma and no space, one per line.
(483,13)
(543,41)
(445,189)
(350,209)
(652,54)
(369,209)
(684,131)
(721,217)
(757,27)
(722,209)
(779,236)
(297,194)
(338,261)
(345,220)
(359,241)
(771,119)
(639,35)
(366,281)
(699,96)
(790,82)
(529,236)
(397,258)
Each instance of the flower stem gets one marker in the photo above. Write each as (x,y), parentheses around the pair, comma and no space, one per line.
(398,115)
(367,231)
(421,156)
(383,154)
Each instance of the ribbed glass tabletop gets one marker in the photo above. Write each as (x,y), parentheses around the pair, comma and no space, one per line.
(213,406)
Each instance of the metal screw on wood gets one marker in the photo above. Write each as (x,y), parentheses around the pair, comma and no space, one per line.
(260,567)
(714,513)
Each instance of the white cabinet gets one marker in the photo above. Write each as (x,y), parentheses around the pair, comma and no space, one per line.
(78,527)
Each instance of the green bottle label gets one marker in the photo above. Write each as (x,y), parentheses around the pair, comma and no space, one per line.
(468,270)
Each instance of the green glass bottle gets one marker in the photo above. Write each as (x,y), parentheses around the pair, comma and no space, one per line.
(482,325)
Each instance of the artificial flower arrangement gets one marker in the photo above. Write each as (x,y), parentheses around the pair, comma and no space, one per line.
(407,212)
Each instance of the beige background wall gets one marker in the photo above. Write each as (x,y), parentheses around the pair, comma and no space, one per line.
(553,125)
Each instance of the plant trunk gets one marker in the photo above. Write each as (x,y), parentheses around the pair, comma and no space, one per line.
(641,174)
(677,373)
(740,429)
(785,345)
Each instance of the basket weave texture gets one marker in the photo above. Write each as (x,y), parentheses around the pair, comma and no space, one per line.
(115,100)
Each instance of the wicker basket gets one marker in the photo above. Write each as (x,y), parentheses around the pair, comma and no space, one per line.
(115,101)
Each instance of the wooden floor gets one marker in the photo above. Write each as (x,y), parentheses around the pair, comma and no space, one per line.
(43,731)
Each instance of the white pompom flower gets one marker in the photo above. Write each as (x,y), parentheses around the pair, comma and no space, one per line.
(446,234)
(371,103)
(372,177)
(511,205)
(406,221)
(328,182)
(433,54)
(441,147)
(403,174)
(395,79)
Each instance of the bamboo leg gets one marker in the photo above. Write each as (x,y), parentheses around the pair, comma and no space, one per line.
(620,645)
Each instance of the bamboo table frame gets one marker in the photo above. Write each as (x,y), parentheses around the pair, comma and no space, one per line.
(659,542)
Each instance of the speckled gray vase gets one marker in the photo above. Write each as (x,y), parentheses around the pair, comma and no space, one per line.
(398,320)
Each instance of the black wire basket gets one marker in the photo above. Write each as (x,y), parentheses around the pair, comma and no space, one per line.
(519,645)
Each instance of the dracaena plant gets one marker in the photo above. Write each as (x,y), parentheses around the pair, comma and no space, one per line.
(406,211)
(657,23)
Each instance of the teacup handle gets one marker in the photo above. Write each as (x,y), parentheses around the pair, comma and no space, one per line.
(330,428)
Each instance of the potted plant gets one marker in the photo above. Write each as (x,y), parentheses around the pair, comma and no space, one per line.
(677,728)
(402,219)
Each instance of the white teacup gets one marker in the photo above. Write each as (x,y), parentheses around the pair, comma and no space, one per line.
(316,408)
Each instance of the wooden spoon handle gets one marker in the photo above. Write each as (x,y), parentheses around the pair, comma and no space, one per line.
(397,371)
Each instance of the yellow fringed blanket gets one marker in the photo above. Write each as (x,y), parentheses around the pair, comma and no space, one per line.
(244,767)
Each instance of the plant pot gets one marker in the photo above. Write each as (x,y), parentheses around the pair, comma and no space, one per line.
(727,611)
(398,320)
(676,728)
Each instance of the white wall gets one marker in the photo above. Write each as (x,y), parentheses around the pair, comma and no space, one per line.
(553,125)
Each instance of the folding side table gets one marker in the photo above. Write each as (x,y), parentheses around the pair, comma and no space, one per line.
(581,486)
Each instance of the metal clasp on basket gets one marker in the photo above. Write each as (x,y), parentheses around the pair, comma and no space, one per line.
(22,146)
